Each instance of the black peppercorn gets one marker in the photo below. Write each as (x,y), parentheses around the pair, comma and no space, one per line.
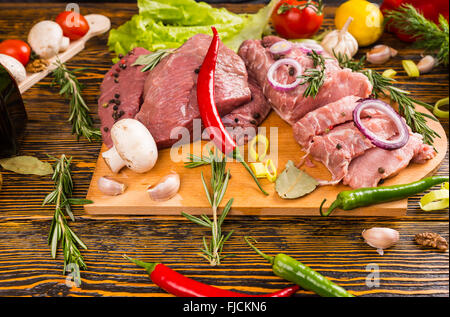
(338,146)
(120,56)
(116,75)
(117,102)
(256,116)
(116,80)
(116,96)
(381,170)
(236,120)
(115,107)
(121,113)
(291,71)
(197,70)
(106,129)
(252,121)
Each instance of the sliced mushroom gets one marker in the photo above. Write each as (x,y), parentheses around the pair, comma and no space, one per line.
(134,147)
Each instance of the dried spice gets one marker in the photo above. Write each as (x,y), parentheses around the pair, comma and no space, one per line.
(26,165)
(294,183)
(37,65)
(432,239)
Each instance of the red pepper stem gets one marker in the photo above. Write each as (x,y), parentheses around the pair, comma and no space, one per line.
(149,267)
(265,256)
(238,157)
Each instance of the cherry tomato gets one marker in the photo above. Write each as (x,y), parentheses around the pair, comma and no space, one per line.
(17,49)
(73,24)
(293,19)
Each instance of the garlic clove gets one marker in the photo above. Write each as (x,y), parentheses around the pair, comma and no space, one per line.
(379,54)
(111,187)
(426,64)
(166,188)
(380,238)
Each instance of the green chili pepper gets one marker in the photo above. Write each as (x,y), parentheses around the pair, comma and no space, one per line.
(361,197)
(294,271)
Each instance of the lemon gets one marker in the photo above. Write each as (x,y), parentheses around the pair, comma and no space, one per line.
(367,25)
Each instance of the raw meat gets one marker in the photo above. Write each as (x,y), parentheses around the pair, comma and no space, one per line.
(345,142)
(128,86)
(242,122)
(170,103)
(377,164)
(320,120)
(291,105)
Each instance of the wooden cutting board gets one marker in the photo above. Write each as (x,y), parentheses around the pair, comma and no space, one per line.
(248,200)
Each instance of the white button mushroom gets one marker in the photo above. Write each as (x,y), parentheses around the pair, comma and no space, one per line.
(46,39)
(14,67)
(134,147)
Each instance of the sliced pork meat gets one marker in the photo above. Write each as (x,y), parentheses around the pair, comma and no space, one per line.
(121,92)
(345,142)
(242,122)
(291,105)
(170,103)
(376,164)
(322,119)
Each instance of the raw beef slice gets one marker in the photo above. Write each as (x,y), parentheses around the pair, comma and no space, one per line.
(170,102)
(121,96)
(377,164)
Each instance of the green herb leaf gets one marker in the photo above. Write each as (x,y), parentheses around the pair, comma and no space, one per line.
(151,60)
(26,165)
(294,183)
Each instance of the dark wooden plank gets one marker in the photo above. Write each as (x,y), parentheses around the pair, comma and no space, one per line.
(332,246)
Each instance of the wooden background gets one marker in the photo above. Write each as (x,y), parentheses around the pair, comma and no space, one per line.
(332,246)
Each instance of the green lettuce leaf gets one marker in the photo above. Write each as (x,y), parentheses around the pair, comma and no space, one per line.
(165,24)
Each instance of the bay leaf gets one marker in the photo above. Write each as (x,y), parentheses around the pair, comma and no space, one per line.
(26,165)
(294,183)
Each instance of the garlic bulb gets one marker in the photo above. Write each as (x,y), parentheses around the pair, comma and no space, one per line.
(380,238)
(167,187)
(341,42)
(109,186)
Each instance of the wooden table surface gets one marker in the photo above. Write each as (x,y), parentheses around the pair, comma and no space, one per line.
(332,246)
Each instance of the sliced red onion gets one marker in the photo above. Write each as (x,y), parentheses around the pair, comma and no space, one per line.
(402,128)
(281,47)
(308,47)
(285,61)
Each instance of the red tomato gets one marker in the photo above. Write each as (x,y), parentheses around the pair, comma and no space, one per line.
(17,49)
(73,24)
(297,20)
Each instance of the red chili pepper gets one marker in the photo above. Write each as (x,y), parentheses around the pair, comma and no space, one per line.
(182,286)
(208,109)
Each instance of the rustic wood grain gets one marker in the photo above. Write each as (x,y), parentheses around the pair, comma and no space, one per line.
(333,246)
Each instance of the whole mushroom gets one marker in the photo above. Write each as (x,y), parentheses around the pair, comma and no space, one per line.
(46,39)
(134,147)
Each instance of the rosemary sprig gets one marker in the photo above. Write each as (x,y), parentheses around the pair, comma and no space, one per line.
(196,161)
(429,35)
(384,87)
(70,87)
(212,250)
(60,232)
(314,77)
(151,60)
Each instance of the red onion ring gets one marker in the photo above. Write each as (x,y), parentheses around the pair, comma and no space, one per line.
(396,143)
(285,61)
(281,47)
(308,47)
